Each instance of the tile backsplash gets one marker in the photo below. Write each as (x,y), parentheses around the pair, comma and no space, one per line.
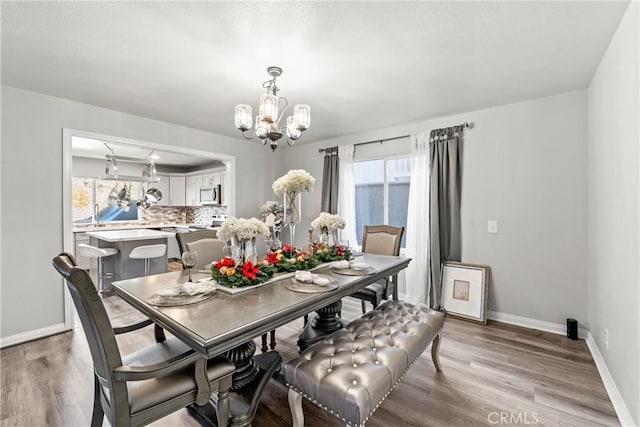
(164,214)
(171,214)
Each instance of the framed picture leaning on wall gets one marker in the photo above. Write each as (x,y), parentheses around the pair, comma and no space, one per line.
(465,289)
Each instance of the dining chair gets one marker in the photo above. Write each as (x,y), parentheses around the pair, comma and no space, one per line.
(150,383)
(205,243)
(380,240)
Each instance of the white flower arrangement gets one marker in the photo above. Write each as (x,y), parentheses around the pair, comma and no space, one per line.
(274,208)
(242,229)
(293,182)
(327,222)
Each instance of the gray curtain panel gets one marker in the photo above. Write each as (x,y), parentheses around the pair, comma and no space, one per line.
(330,178)
(445,242)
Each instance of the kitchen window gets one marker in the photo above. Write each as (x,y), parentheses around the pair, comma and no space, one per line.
(382,193)
(86,192)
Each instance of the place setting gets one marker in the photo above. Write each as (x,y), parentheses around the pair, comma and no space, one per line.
(311,283)
(352,268)
(186,293)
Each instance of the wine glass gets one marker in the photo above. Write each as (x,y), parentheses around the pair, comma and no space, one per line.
(227,250)
(189,260)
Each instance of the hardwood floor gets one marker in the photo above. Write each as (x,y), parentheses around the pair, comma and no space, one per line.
(494,374)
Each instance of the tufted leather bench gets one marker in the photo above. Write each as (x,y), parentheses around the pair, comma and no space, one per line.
(353,370)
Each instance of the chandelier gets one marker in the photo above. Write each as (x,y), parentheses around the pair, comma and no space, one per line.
(267,125)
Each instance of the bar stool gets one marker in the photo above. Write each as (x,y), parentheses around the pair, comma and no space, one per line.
(98,253)
(148,252)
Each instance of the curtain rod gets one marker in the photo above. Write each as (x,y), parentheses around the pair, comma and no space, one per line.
(377,141)
(380,141)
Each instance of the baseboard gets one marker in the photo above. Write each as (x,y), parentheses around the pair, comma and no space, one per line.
(32,335)
(526,322)
(609,384)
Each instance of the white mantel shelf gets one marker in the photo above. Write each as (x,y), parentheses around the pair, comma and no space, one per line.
(128,235)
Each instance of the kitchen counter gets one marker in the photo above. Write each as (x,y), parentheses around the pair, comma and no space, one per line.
(113,236)
(130,226)
(121,265)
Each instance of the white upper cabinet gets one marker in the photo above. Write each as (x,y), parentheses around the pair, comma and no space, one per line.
(164,186)
(211,179)
(177,191)
(193,185)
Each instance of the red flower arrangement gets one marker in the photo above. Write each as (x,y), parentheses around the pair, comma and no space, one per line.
(228,273)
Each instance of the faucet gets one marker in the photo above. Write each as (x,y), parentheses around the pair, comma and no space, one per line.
(96,214)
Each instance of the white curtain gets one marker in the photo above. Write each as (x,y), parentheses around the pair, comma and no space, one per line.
(418,221)
(347,194)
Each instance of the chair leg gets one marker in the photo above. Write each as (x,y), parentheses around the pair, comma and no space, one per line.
(306,319)
(222,408)
(272,343)
(100,279)
(264,347)
(395,287)
(98,413)
(435,347)
(159,333)
(364,306)
(295,405)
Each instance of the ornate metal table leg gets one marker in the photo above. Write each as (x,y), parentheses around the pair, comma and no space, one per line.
(327,321)
(246,368)
(248,381)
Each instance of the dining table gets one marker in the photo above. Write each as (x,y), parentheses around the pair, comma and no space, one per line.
(226,323)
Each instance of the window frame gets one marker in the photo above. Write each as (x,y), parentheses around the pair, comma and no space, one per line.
(94,184)
(385,187)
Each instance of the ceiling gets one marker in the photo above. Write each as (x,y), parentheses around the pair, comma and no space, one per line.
(97,149)
(359,65)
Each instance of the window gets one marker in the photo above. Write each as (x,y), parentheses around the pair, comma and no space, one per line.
(86,192)
(382,193)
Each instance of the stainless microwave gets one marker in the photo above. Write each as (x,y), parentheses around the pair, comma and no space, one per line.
(211,195)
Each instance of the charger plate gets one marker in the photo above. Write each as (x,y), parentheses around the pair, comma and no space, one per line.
(178,300)
(310,288)
(353,272)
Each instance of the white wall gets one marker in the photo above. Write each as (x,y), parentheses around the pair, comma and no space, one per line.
(524,165)
(31,177)
(613,212)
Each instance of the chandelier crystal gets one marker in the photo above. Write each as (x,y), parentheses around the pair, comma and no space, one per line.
(271,111)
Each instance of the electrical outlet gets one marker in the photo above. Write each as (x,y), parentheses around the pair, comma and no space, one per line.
(492,226)
(606,339)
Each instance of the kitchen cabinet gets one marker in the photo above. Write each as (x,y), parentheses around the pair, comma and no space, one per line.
(211,179)
(165,187)
(193,184)
(173,250)
(177,191)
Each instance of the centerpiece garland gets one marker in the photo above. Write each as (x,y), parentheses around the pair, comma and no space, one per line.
(291,259)
(328,253)
(231,274)
(235,273)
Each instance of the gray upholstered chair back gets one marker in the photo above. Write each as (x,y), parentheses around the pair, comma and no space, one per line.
(209,250)
(97,327)
(382,239)
(184,238)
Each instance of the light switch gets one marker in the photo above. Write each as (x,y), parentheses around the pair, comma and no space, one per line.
(492,226)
